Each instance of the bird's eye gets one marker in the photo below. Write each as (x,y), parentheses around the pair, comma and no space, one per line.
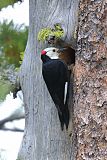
(53,50)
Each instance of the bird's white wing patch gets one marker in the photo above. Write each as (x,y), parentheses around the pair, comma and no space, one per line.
(65,91)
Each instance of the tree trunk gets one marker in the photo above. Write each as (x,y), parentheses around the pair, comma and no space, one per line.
(90,111)
(43,138)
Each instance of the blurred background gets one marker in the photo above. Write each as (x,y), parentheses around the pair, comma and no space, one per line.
(14,22)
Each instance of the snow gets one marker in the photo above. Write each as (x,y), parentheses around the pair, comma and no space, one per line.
(19,13)
(10,141)
(16,124)
(9,144)
(9,106)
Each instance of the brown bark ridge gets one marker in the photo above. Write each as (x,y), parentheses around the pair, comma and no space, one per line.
(90,111)
(43,138)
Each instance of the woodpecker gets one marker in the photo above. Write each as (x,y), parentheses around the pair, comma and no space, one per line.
(55,74)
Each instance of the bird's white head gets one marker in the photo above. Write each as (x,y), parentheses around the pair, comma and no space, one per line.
(52,52)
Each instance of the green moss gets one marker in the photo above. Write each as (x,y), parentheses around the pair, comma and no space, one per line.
(44,33)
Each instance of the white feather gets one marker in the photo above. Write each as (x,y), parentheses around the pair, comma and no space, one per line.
(65,91)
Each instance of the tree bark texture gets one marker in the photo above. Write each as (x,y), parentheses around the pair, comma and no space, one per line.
(90,111)
(43,138)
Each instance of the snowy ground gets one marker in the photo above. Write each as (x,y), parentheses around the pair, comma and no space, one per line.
(9,144)
(10,141)
(10,105)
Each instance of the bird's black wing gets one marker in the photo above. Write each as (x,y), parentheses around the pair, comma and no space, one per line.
(55,74)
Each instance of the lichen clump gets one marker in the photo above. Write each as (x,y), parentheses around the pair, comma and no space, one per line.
(44,33)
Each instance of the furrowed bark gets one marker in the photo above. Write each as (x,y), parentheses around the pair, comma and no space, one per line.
(90,111)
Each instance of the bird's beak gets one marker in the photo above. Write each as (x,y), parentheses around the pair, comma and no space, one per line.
(61,50)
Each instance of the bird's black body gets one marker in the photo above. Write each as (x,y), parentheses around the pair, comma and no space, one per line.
(55,74)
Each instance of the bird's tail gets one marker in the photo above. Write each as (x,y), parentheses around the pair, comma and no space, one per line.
(64,118)
(63,113)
